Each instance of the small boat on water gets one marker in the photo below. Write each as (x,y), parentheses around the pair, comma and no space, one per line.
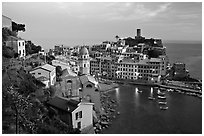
(163,108)
(139,91)
(162,103)
(151,98)
(162,97)
(170,90)
(160,93)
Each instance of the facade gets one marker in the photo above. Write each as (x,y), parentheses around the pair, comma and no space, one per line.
(84,61)
(47,71)
(18,45)
(70,84)
(78,114)
(90,91)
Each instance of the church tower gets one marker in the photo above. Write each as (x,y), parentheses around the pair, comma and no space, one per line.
(84,61)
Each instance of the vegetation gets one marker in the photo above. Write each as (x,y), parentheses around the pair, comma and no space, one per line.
(31,48)
(22,110)
(58,73)
(18,27)
(154,53)
(6,32)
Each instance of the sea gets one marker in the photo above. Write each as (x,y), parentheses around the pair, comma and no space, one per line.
(189,53)
(139,115)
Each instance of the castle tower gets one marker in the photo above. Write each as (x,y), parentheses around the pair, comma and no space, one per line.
(138,32)
(84,61)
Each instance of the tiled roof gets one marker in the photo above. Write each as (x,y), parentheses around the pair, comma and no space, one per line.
(42,78)
(68,72)
(48,67)
(62,103)
(155,60)
(87,78)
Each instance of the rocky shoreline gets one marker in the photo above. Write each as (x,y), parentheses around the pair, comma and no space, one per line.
(109,109)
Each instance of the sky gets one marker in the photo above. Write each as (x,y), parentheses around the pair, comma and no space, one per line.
(77,23)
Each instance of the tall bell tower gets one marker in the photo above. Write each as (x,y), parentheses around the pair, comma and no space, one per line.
(84,61)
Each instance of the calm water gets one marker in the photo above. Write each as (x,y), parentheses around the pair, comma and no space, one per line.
(139,115)
(189,53)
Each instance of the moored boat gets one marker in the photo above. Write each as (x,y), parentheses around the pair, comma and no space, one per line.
(163,108)
(162,97)
(162,103)
(151,98)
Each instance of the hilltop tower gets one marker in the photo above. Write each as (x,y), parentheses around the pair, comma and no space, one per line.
(84,61)
(138,32)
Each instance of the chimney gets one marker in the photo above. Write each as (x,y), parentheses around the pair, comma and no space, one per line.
(138,32)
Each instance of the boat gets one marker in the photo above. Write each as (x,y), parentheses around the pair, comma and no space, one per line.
(139,91)
(162,103)
(170,90)
(162,97)
(163,108)
(151,98)
(160,93)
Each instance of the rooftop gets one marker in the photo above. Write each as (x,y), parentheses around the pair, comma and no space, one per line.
(83,51)
(62,103)
(46,67)
(87,78)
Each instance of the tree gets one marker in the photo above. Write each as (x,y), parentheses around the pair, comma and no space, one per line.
(58,72)
(7,32)
(8,52)
(18,27)
(153,53)
(31,48)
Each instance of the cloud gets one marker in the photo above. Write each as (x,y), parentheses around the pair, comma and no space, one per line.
(114,10)
(162,8)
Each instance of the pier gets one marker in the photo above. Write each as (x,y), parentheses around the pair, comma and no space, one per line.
(181,88)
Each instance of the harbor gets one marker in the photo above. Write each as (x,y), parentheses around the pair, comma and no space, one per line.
(177,114)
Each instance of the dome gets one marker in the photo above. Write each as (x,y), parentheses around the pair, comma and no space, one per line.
(83,51)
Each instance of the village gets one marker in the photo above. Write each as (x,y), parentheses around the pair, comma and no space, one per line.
(74,81)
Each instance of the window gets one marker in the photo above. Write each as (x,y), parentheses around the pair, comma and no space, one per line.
(96,90)
(39,73)
(84,65)
(89,86)
(79,125)
(19,44)
(78,115)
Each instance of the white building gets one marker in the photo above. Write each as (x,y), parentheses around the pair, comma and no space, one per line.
(18,45)
(47,71)
(75,113)
(84,61)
